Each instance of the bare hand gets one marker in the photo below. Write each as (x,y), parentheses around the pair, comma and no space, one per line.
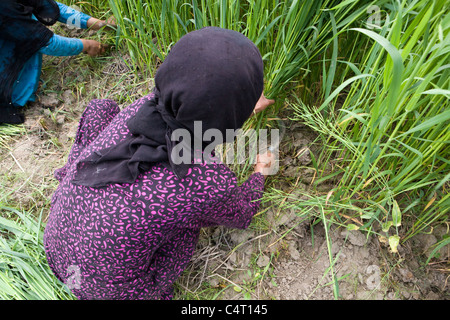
(264,163)
(263,103)
(96,24)
(93,48)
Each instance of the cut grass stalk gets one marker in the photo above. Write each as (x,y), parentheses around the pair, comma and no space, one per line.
(24,273)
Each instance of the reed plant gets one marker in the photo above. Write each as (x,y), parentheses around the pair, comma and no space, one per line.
(391,132)
(95,8)
(288,33)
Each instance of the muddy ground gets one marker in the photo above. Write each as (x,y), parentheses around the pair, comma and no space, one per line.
(284,256)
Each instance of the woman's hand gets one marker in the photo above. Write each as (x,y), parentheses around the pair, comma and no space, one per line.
(93,48)
(264,163)
(263,103)
(96,24)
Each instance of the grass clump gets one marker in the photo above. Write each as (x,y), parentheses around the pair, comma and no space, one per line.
(24,272)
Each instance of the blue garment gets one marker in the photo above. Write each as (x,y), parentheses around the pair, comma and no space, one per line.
(73,17)
(28,81)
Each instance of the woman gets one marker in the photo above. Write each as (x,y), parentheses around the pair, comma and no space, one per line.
(24,38)
(125,218)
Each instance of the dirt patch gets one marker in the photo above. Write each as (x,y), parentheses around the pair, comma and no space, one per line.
(29,163)
(295,260)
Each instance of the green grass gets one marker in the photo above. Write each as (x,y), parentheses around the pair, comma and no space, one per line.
(7,132)
(24,272)
(391,133)
(288,33)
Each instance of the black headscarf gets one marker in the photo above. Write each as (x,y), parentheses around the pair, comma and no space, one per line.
(27,36)
(211,75)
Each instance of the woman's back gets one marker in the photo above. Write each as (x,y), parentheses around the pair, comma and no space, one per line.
(130,236)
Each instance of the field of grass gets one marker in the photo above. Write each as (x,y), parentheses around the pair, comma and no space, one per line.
(370,78)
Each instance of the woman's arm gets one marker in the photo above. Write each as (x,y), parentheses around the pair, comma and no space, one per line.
(73,17)
(225,203)
(63,46)
(93,48)
(262,104)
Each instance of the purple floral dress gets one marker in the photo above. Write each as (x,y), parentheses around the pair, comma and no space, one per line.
(132,241)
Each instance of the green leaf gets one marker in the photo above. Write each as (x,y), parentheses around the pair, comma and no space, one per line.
(352,226)
(437,119)
(340,88)
(397,72)
(438,246)
(437,91)
(393,242)
(396,214)
(385,226)
(368,215)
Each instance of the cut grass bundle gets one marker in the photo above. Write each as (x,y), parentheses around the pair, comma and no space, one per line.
(24,272)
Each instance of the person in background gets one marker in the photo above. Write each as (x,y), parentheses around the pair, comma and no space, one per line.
(25,38)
